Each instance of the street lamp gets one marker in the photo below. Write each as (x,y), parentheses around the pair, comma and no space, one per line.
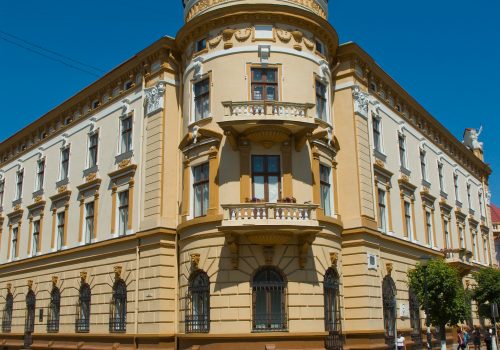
(424,261)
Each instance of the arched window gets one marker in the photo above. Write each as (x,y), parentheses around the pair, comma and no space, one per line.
(332,301)
(269,301)
(389,304)
(7,313)
(82,324)
(29,324)
(54,310)
(198,308)
(118,307)
(415,323)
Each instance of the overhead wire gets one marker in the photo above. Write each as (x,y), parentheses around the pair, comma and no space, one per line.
(56,59)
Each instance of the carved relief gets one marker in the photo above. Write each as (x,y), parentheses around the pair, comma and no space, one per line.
(90,177)
(117,271)
(154,98)
(215,41)
(360,101)
(62,189)
(124,163)
(334,257)
(309,44)
(195,260)
(243,34)
(283,35)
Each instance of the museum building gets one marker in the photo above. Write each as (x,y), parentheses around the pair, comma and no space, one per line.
(250,184)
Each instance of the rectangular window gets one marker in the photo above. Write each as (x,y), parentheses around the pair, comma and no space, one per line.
(428,225)
(441,177)
(474,246)
(264,84)
(408,220)
(93,149)
(13,251)
(2,190)
(481,209)
(19,184)
(126,135)
(321,99)
(60,230)
(455,185)
(202,99)
(40,175)
(382,211)
(266,178)
(64,164)
(423,165)
(402,151)
(326,190)
(469,202)
(377,142)
(89,222)
(36,237)
(446,225)
(462,237)
(201,44)
(264,32)
(319,47)
(123,213)
(485,251)
(200,189)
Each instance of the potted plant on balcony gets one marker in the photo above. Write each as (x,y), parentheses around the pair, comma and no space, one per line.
(254,200)
(287,200)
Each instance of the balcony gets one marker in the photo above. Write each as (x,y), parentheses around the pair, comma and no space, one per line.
(268,122)
(270,223)
(459,258)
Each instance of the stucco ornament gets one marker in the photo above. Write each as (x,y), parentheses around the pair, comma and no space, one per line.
(154,98)
(471,138)
(198,67)
(361,100)
(196,133)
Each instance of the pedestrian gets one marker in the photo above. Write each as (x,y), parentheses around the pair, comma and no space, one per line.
(460,340)
(476,338)
(466,338)
(488,339)
(400,342)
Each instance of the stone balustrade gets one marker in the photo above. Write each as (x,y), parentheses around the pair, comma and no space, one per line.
(254,212)
(267,110)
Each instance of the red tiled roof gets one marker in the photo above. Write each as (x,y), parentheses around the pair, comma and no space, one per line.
(495,213)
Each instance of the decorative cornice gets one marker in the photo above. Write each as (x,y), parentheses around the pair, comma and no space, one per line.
(36,205)
(122,172)
(62,194)
(89,184)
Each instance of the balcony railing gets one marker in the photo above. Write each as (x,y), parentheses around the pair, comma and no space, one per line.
(458,255)
(283,212)
(268,110)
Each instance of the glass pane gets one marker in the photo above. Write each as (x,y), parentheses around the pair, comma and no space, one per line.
(271,75)
(273,164)
(205,199)
(260,309)
(258,92)
(258,164)
(276,308)
(197,200)
(257,74)
(271,93)
(274,190)
(325,200)
(258,187)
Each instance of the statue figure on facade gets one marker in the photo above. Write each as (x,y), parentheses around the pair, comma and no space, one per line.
(471,137)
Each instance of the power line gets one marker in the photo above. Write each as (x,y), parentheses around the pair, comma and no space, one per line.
(49,57)
(51,51)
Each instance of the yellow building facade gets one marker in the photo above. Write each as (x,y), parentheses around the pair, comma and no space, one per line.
(250,184)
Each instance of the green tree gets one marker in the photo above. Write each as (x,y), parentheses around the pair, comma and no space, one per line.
(486,290)
(445,294)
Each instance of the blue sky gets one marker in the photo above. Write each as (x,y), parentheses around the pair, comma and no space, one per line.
(445,53)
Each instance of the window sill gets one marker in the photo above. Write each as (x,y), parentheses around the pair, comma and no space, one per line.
(90,170)
(443,194)
(62,182)
(404,170)
(379,155)
(38,193)
(458,204)
(123,156)
(200,122)
(323,123)
(426,183)
(17,201)
(472,211)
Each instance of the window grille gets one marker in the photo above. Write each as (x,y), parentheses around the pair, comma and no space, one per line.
(415,323)
(333,321)
(269,301)
(389,307)
(29,324)
(118,308)
(82,324)
(54,311)
(198,308)
(7,313)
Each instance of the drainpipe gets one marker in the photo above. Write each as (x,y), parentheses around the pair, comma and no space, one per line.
(137,260)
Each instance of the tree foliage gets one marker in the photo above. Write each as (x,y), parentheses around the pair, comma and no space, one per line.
(446,296)
(487,289)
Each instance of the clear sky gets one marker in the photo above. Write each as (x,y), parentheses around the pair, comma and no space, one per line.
(446,53)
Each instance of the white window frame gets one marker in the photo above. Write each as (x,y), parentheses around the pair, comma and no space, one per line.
(125,232)
(2,191)
(408,221)
(456,187)
(441,176)
(120,135)
(19,184)
(13,248)
(63,149)
(383,221)
(481,203)
(263,28)
(89,138)
(429,226)
(87,234)
(326,84)
(403,162)
(330,182)
(193,99)
(60,234)
(39,184)
(32,249)
(380,148)
(423,165)
(469,198)
(461,235)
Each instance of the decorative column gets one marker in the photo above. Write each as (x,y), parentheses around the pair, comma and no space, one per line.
(389,206)
(113,209)
(80,226)
(96,213)
(403,214)
(245,183)
(316,179)
(131,186)
(30,233)
(413,219)
(53,240)
(66,215)
(213,189)
(335,188)
(40,233)
(287,169)
(433,227)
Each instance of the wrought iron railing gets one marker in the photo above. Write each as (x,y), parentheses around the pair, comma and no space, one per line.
(334,341)
(82,325)
(197,324)
(270,322)
(117,325)
(53,325)
(6,325)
